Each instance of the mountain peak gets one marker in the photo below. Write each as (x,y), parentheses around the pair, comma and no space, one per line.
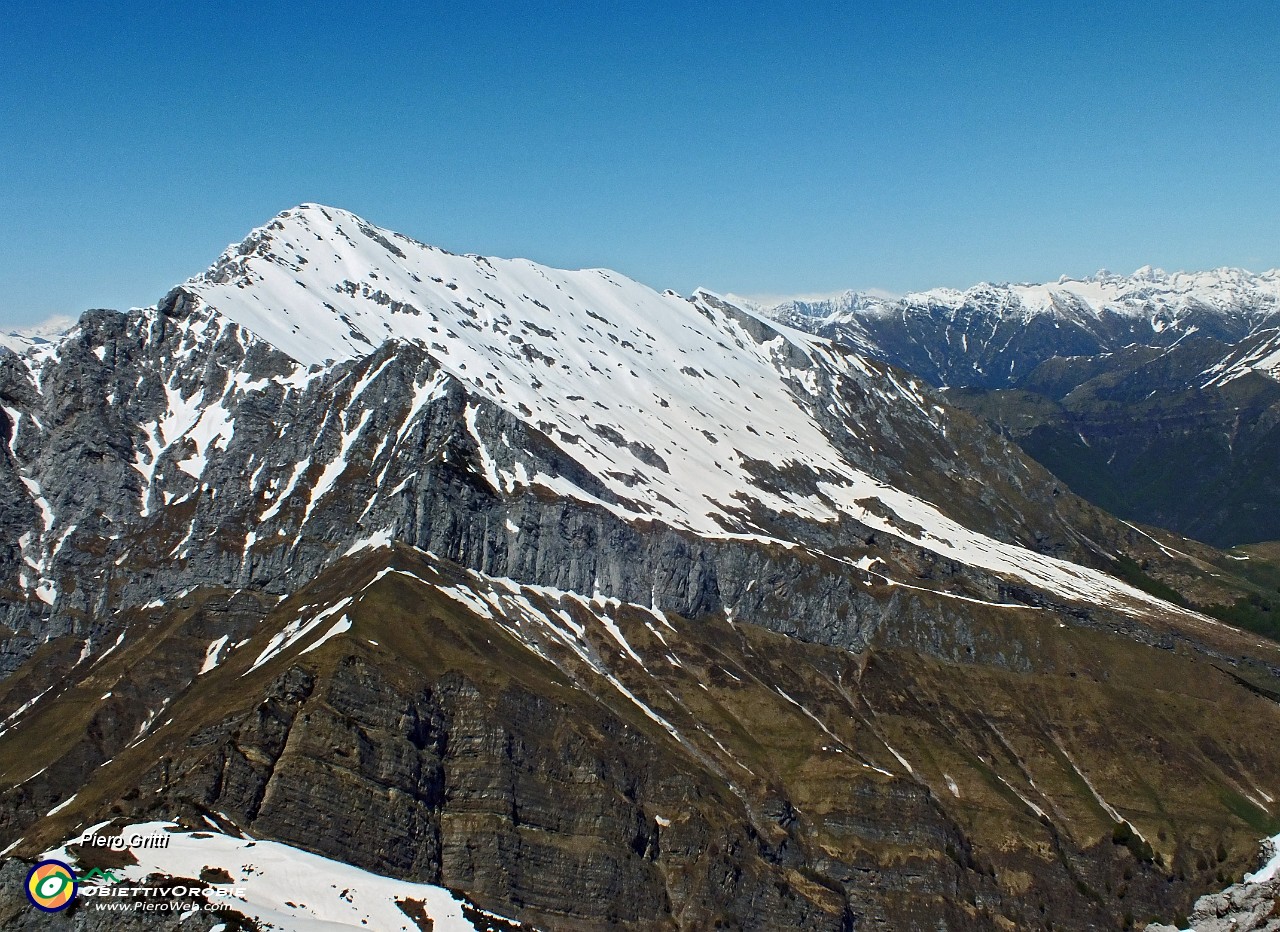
(624,377)
(324,285)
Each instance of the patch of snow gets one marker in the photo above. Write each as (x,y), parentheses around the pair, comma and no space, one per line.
(1106,806)
(294,632)
(374,541)
(20,710)
(901,760)
(15,418)
(616,633)
(62,805)
(212,654)
(287,888)
(467,598)
(341,625)
(335,467)
(299,468)
(1040,813)
(119,640)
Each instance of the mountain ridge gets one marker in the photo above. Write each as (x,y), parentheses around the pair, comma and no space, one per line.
(992,336)
(1220,288)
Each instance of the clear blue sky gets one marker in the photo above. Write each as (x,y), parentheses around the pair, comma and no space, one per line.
(749,147)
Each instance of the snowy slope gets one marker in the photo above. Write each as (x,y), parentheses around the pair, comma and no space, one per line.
(1148,292)
(620,376)
(286,888)
(673,403)
(1260,354)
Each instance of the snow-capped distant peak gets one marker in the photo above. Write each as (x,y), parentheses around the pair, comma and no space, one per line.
(835,304)
(48,331)
(1148,290)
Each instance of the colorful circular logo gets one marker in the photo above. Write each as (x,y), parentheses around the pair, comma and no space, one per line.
(51,886)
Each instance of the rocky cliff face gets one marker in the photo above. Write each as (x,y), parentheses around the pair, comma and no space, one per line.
(608,608)
(1242,907)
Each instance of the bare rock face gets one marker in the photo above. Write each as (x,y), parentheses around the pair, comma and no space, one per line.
(1242,907)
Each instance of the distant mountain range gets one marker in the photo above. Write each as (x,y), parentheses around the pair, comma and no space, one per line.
(599,607)
(1153,395)
(24,338)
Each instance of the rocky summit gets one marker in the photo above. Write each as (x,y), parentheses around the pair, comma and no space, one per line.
(469,593)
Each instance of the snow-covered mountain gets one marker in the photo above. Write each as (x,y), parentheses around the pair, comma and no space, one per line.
(688,412)
(602,605)
(683,410)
